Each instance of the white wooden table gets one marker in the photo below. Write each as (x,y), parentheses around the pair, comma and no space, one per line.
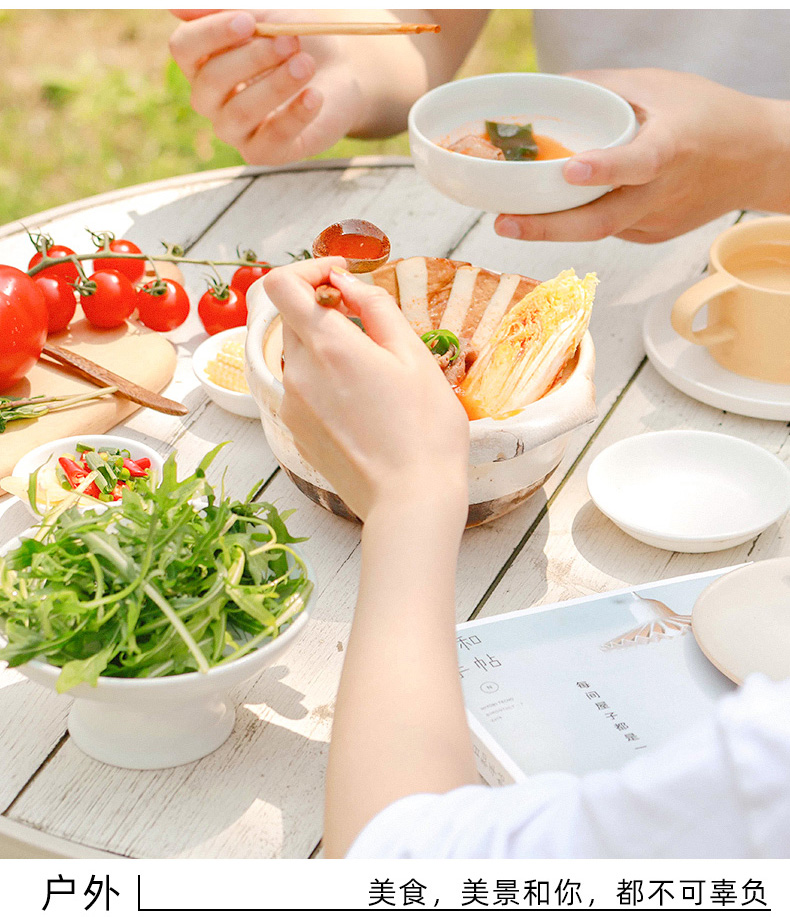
(260,795)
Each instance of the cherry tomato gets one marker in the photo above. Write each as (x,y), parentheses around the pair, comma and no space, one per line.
(67,271)
(245,276)
(133,268)
(61,301)
(111,302)
(23,325)
(162,311)
(221,308)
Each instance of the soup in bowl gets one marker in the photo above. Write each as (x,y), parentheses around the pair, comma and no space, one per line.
(566,117)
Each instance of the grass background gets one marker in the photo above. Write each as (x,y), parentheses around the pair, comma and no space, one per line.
(90,100)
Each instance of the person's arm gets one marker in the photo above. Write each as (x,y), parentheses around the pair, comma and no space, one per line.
(701,151)
(375,415)
(277,100)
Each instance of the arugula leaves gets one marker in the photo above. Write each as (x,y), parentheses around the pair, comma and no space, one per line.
(176,579)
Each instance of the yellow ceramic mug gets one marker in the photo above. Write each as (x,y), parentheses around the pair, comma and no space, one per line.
(748,295)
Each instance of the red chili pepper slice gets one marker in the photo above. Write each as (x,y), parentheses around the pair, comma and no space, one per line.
(134,469)
(74,471)
(92,490)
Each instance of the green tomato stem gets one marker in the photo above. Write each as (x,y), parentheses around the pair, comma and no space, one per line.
(174,259)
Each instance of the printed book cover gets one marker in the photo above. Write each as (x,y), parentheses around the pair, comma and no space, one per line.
(586,684)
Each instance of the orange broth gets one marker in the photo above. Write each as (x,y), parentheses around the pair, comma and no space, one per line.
(549,148)
(355,245)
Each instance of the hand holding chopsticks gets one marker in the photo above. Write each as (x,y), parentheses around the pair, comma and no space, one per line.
(273,29)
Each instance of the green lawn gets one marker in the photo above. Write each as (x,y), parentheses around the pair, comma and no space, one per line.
(90,100)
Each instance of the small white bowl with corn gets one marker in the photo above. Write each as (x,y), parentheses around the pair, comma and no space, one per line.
(219,366)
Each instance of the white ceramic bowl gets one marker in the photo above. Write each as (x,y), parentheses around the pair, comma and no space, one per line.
(37,457)
(509,459)
(580,115)
(235,402)
(152,723)
(688,490)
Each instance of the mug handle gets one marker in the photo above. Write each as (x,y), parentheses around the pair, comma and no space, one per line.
(689,303)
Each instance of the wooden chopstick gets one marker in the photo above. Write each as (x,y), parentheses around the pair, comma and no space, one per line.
(273,29)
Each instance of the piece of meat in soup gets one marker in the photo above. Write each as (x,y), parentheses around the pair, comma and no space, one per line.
(475,145)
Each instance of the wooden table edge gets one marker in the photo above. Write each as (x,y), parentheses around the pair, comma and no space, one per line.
(210,176)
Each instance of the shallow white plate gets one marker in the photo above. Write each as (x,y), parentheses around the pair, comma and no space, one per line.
(692,370)
(235,402)
(690,491)
(742,621)
(39,456)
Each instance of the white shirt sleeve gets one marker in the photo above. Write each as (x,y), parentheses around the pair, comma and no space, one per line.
(722,791)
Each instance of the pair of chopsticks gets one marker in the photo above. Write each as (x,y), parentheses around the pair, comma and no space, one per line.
(273,29)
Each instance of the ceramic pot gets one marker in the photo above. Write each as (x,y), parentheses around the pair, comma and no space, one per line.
(509,459)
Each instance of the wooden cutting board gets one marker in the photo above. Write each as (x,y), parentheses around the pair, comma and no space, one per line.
(132,351)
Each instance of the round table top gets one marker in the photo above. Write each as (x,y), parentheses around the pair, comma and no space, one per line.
(260,794)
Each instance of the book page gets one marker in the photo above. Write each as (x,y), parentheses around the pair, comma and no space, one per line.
(592,683)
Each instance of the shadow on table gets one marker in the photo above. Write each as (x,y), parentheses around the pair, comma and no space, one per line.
(258,795)
(476,572)
(269,689)
(603,545)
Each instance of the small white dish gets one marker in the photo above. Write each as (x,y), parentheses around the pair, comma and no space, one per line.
(39,456)
(580,115)
(236,402)
(153,723)
(693,371)
(688,490)
(742,621)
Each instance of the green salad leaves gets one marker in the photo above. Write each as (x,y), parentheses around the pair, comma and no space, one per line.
(176,579)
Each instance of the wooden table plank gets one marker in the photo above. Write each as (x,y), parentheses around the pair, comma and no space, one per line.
(277,218)
(175,212)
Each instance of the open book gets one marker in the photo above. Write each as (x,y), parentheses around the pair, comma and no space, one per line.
(586,684)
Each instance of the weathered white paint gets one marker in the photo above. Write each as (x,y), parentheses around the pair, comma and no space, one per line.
(261,794)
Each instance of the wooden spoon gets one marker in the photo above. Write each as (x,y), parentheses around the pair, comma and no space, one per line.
(86,368)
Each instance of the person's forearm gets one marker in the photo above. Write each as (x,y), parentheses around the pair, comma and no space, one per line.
(771,166)
(393,72)
(400,726)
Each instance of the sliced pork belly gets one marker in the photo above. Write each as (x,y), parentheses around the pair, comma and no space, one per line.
(420,286)
(440,293)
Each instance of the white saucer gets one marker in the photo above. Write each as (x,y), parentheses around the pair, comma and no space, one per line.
(690,491)
(693,370)
(742,621)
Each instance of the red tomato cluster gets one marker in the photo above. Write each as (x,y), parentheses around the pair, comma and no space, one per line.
(33,307)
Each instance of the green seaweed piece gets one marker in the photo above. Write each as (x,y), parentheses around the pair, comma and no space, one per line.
(515,140)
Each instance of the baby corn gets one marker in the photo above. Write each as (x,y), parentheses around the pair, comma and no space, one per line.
(227,368)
